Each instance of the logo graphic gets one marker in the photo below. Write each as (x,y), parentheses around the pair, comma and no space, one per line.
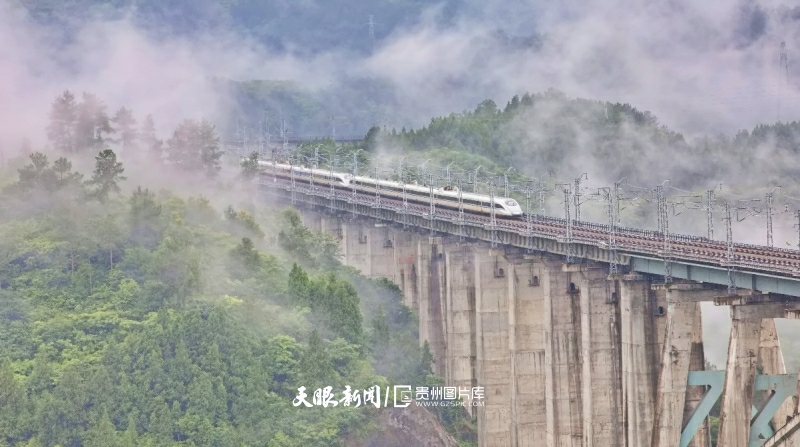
(402,396)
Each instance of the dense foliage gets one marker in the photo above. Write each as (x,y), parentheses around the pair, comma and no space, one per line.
(148,319)
(555,139)
(549,133)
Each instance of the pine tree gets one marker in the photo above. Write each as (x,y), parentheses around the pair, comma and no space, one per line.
(62,168)
(180,147)
(372,139)
(92,123)
(107,173)
(126,128)
(148,137)
(41,379)
(14,405)
(161,423)
(144,206)
(210,151)
(35,175)
(63,118)
(299,285)
(426,362)
(130,438)
(194,147)
(102,433)
(316,363)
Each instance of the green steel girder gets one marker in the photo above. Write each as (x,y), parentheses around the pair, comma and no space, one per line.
(782,386)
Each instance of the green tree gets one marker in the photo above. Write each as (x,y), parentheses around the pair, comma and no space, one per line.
(210,151)
(41,378)
(245,220)
(62,168)
(130,438)
(36,175)
(372,139)
(194,147)
(63,118)
(338,301)
(13,405)
(315,363)
(202,400)
(108,235)
(144,214)
(250,166)
(246,256)
(161,424)
(181,148)
(381,332)
(281,440)
(102,433)
(107,174)
(92,122)
(126,128)
(299,285)
(425,368)
(153,145)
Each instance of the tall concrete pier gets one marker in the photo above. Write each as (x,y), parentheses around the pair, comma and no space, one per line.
(569,355)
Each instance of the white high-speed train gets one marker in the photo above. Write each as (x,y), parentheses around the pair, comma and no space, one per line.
(445,197)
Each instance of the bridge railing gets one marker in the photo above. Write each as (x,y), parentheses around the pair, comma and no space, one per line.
(632,240)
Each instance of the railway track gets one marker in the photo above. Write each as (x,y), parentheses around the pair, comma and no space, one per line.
(628,240)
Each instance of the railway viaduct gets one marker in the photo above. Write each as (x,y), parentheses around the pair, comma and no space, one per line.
(581,334)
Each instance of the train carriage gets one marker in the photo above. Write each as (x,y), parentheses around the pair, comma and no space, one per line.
(445,197)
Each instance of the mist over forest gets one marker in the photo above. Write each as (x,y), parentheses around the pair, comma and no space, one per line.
(149,296)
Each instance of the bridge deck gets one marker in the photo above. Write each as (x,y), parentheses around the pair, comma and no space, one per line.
(754,267)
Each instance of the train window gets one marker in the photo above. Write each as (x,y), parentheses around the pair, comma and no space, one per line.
(511,203)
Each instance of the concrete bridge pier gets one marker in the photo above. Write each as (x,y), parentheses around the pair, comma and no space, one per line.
(583,377)
(770,359)
(600,345)
(404,272)
(354,245)
(797,398)
(493,359)
(740,374)
(639,345)
(431,261)
(563,386)
(694,394)
(526,350)
(461,319)
(753,343)
(683,308)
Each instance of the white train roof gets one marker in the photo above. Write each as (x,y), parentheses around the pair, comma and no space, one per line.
(409,186)
(437,191)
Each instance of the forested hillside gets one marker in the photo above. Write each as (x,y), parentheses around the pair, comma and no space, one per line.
(130,317)
(550,134)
